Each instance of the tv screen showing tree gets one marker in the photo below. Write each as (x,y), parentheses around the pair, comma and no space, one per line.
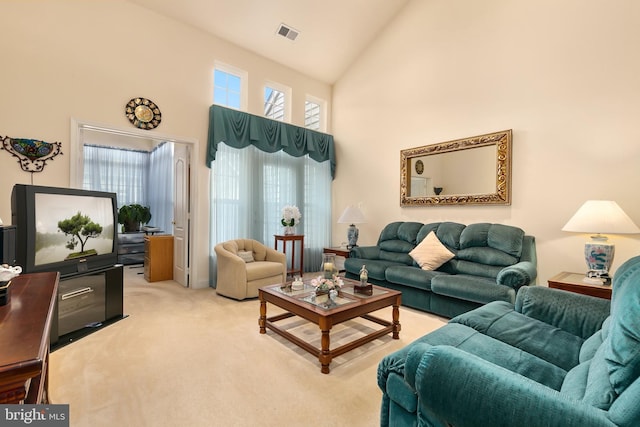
(71,226)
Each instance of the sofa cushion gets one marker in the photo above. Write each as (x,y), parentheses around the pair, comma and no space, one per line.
(411,276)
(486,255)
(261,269)
(622,351)
(375,268)
(591,344)
(449,234)
(430,253)
(399,257)
(471,288)
(499,320)
(247,256)
(478,269)
(506,238)
(498,352)
(589,382)
(599,391)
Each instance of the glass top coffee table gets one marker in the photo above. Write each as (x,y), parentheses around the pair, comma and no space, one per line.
(326,313)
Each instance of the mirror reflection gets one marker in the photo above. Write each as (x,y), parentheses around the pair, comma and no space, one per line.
(474,170)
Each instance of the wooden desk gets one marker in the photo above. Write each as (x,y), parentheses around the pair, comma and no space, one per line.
(572,282)
(25,324)
(284,238)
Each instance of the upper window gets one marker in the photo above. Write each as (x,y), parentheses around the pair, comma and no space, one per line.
(311,115)
(273,103)
(276,102)
(228,85)
(314,114)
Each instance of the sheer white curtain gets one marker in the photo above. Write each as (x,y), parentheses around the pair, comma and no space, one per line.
(136,176)
(249,188)
(117,170)
(160,187)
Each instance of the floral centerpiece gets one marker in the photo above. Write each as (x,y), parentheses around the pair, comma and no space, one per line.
(323,285)
(290,218)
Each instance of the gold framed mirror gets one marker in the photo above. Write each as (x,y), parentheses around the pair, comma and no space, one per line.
(468,171)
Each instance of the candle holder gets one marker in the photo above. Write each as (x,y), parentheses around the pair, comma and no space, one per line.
(329,265)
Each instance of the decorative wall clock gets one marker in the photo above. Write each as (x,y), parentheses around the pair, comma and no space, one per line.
(419,167)
(143,113)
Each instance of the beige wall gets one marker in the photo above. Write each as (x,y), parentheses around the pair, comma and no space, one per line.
(562,74)
(85,60)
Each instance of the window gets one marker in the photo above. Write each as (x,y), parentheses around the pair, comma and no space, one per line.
(228,87)
(250,187)
(314,114)
(276,102)
(273,104)
(311,115)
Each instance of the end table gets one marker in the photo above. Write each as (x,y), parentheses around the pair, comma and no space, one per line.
(293,238)
(572,282)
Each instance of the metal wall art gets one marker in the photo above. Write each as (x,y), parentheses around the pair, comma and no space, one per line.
(143,113)
(32,154)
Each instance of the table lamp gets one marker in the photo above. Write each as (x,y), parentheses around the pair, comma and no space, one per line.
(600,216)
(352,215)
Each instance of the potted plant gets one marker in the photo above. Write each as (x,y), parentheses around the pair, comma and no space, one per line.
(131,216)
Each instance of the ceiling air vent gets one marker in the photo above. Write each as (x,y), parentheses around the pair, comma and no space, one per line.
(288,32)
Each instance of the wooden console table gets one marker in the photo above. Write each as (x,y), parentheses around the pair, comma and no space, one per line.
(284,238)
(25,324)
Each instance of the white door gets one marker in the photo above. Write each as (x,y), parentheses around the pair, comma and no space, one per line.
(181,214)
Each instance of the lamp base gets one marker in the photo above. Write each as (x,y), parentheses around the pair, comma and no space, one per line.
(352,236)
(598,255)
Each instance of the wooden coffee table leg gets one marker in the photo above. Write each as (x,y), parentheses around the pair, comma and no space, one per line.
(325,354)
(262,321)
(396,320)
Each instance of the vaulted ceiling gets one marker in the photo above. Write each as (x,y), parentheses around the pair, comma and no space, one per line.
(332,33)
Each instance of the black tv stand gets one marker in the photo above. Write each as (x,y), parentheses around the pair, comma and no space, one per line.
(86,302)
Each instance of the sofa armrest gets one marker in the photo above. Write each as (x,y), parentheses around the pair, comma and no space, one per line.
(580,315)
(366,252)
(231,272)
(517,275)
(276,256)
(464,390)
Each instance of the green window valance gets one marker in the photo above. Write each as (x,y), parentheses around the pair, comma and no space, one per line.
(239,130)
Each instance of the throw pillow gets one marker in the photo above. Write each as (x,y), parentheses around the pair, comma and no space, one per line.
(430,253)
(247,256)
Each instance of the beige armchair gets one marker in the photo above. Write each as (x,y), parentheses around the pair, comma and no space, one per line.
(244,265)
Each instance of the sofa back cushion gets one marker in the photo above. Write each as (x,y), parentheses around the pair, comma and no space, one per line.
(486,248)
(623,350)
(258,250)
(396,240)
(610,358)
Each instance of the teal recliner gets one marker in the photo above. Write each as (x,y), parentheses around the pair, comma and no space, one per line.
(553,359)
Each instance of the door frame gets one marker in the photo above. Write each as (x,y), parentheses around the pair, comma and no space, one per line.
(77,167)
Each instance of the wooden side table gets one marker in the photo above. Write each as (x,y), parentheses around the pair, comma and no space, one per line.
(293,238)
(572,282)
(338,251)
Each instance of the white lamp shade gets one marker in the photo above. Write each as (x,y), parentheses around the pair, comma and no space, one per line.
(352,215)
(601,216)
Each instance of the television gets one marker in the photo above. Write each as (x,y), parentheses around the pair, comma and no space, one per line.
(64,229)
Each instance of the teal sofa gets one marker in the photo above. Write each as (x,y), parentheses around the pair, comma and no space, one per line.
(491,262)
(553,359)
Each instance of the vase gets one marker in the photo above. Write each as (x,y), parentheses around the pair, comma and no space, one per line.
(289,230)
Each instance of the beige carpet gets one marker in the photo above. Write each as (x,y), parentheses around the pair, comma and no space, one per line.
(188,357)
